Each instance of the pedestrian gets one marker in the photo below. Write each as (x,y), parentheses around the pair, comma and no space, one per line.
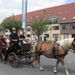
(55,39)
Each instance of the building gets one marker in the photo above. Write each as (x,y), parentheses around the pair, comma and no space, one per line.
(62,20)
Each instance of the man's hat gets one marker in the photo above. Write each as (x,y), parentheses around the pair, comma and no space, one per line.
(13,28)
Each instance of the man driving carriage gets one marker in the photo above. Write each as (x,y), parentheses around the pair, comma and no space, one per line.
(14,46)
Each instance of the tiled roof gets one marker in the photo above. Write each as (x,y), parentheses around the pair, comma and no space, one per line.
(66,12)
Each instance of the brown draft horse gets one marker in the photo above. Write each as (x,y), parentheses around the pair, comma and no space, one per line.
(58,50)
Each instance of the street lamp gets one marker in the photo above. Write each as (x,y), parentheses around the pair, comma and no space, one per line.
(24,13)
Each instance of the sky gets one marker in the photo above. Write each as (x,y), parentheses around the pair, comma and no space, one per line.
(14,7)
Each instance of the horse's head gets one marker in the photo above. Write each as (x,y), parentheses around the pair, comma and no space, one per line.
(73,45)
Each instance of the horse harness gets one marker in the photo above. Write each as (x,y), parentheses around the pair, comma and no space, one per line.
(53,51)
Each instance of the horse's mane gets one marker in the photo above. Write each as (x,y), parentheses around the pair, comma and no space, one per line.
(65,43)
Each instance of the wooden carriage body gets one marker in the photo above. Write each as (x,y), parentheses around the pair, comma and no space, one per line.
(25,47)
(24,52)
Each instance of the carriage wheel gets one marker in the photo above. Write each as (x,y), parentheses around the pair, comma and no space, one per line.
(13,60)
(29,58)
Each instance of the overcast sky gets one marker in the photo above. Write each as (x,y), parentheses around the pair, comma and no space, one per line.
(10,7)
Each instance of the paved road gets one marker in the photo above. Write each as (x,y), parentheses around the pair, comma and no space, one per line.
(48,64)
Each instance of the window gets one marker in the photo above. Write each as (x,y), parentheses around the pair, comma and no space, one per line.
(66,12)
(47,35)
(74,17)
(49,14)
(55,21)
(64,18)
(64,27)
(73,35)
(49,20)
(37,16)
(28,29)
(65,36)
(55,27)
(60,12)
(54,35)
(72,26)
(28,35)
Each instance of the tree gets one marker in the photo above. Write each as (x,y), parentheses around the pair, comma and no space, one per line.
(50,32)
(39,25)
(11,22)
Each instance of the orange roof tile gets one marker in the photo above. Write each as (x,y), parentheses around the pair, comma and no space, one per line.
(66,11)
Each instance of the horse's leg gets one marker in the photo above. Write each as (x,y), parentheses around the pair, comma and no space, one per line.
(34,59)
(63,64)
(40,67)
(55,68)
(34,55)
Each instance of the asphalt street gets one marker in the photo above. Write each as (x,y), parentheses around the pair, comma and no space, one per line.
(26,69)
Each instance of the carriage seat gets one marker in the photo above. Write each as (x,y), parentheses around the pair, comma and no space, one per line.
(25,47)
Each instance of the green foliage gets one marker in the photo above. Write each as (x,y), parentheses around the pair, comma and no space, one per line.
(39,25)
(11,22)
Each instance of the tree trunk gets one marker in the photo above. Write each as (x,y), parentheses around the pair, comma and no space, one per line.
(38,38)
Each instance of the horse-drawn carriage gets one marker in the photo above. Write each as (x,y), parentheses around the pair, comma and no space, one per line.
(24,52)
(57,50)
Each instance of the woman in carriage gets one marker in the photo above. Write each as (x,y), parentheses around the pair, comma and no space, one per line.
(2,46)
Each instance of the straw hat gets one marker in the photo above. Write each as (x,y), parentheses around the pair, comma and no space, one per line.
(13,28)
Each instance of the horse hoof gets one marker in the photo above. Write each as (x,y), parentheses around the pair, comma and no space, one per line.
(41,69)
(32,65)
(67,74)
(55,72)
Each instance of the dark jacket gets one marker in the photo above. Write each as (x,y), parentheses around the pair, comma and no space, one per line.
(13,36)
(2,41)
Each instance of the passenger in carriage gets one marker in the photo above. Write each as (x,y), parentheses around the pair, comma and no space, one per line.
(7,41)
(3,44)
(22,39)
